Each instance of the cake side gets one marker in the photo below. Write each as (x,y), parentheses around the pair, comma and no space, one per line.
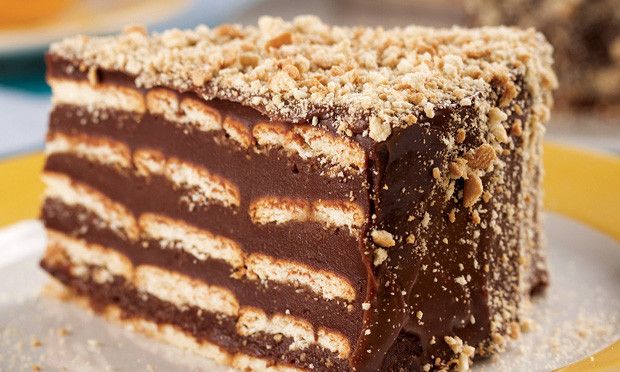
(462,206)
(205,217)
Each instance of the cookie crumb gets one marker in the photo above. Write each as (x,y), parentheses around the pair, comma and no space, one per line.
(279,40)
(475,217)
(63,331)
(426,219)
(380,256)
(472,190)
(411,239)
(482,158)
(516,129)
(452,215)
(460,136)
(383,238)
(36,342)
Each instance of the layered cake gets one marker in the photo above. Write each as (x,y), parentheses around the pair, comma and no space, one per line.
(585,35)
(297,196)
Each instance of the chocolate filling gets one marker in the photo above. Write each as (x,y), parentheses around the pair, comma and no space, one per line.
(202,325)
(79,222)
(158,195)
(256,174)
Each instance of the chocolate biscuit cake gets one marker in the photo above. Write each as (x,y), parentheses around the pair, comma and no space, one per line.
(297,196)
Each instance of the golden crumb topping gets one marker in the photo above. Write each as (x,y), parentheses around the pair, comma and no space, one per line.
(361,80)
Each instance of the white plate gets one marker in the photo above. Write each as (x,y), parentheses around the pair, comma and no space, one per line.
(578,316)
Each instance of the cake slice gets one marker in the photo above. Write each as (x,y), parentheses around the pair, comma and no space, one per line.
(298,196)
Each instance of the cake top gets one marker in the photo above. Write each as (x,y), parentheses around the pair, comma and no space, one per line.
(362,80)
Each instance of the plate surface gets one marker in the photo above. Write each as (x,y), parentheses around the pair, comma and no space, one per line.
(578,315)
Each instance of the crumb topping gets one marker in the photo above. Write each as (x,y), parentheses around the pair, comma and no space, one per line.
(362,80)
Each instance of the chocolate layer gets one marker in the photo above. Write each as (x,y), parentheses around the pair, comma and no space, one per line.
(78,222)
(256,174)
(202,325)
(158,195)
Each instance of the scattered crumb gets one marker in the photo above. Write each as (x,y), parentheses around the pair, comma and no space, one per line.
(462,351)
(526,325)
(514,330)
(380,256)
(63,331)
(475,217)
(411,239)
(499,340)
(482,158)
(383,238)
(426,219)
(472,190)
(460,135)
(35,342)
(452,215)
(516,129)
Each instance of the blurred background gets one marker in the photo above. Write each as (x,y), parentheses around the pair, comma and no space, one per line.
(585,34)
